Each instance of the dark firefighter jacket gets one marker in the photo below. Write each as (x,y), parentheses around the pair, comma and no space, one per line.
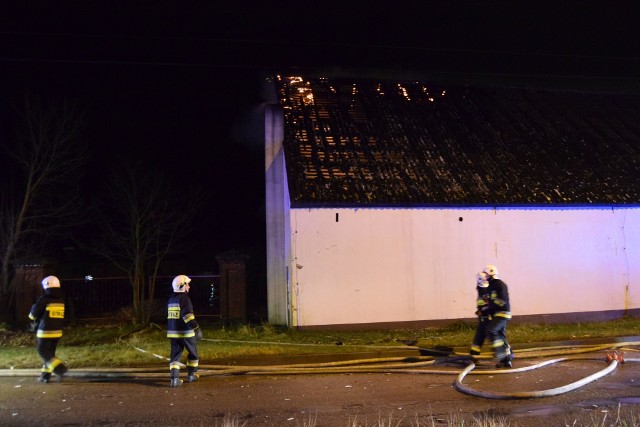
(493,300)
(498,299)
(483,302)
(48,312)
(181,322)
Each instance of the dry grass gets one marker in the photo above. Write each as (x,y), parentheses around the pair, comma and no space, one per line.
(115,345)
(622,418)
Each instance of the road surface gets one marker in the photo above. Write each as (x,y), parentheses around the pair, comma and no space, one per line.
(318,400)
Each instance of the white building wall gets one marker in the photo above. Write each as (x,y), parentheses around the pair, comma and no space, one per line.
(351,266)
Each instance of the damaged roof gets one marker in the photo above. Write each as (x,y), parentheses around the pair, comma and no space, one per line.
(358,142)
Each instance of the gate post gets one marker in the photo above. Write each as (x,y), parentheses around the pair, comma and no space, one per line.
(233,285)
(27,288)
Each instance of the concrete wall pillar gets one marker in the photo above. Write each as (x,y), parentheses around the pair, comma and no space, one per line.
(233,285)
(277,217)
(28,288)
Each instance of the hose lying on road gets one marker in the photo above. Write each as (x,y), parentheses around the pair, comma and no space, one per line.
(407,365)
(458,385)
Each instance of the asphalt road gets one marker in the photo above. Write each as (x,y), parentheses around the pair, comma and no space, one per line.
(347,399)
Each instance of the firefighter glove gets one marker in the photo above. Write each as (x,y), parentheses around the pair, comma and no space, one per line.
(198,334)
(33,326)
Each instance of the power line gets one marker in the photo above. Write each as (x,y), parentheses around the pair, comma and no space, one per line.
(118,62)
(273,67)
(262,42)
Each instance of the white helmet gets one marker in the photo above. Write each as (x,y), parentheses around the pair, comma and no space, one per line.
(50,282)
(179,282)
(491,271)
(482,280)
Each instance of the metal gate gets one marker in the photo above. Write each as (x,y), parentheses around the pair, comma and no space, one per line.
(101,297)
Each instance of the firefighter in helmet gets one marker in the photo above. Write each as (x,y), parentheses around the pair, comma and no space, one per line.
(482,311)
(182,330)
(47,318)
(499,313)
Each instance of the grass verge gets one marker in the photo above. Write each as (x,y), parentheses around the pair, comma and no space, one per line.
(116,345)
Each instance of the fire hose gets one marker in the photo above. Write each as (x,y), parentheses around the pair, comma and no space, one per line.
(406,365)
(458,385)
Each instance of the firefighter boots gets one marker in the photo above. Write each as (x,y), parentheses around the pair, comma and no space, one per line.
(176,382)
(60,370)
(191,374)
(505,362)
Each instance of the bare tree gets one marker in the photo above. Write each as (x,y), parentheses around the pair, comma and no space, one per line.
(144,219)
(45,162)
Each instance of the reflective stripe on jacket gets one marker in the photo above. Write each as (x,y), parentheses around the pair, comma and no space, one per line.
(48,311)
(499,299)
(181,322)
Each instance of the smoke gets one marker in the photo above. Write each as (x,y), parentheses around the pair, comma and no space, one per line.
(248,127)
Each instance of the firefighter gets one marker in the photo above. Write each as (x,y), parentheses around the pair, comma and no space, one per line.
(499,312)
(47,318)
(482,311)
(182,330)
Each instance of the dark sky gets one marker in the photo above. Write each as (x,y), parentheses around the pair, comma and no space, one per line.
(179,82)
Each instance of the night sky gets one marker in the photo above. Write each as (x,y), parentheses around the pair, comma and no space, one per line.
(180,86)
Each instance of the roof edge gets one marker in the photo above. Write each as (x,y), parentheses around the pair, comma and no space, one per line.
(514,206)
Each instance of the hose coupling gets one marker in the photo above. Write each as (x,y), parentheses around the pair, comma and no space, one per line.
(615,356)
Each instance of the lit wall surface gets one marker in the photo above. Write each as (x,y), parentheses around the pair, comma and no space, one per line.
(352,266)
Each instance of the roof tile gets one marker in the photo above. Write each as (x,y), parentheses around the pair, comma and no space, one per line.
(389,143)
